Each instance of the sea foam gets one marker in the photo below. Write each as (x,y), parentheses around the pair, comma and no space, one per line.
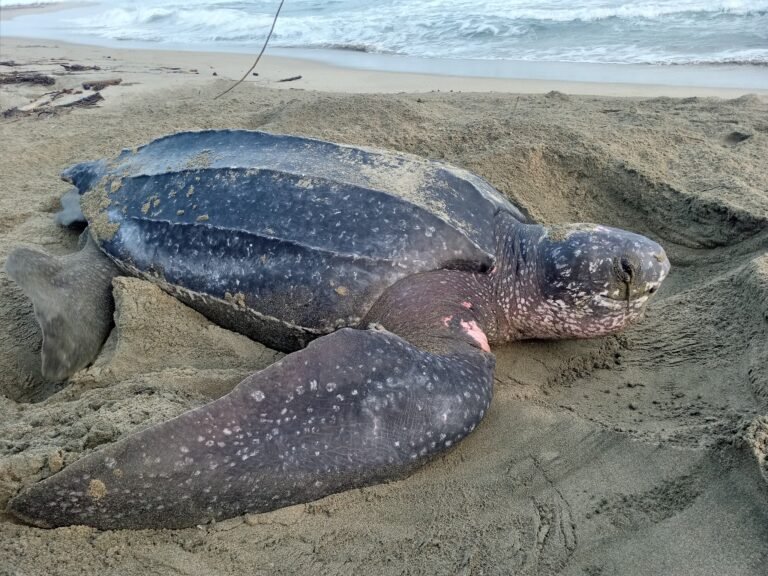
(662,31)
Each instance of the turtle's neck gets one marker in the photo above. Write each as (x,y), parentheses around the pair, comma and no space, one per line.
(512,284)
(423,308)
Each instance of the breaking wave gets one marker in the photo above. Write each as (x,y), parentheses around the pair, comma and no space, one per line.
(661,31)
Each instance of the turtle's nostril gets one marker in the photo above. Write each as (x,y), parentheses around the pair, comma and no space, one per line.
(627,267)
(652,289)
(624,269)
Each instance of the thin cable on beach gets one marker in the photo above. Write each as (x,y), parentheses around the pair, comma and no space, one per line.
(266,41)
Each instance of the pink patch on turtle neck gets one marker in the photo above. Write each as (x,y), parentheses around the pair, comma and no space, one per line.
(475,332)
(467,305)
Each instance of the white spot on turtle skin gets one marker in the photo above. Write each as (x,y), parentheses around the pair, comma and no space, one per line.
(258,395)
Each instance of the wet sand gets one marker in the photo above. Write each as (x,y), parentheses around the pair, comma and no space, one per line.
(642,453)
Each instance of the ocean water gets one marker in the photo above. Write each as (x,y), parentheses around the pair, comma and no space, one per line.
(590,31)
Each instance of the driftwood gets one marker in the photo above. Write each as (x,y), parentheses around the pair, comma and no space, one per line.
(101,84)
(13,112)
(78,67)
(52,102)
(28,78)
(291,79)
(89,100)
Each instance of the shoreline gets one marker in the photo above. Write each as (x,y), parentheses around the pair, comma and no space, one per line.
(327,77)
(731,75)
(381,72)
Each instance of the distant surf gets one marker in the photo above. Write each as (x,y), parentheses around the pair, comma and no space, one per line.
(595,31)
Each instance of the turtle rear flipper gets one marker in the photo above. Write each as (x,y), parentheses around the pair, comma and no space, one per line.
(72,299)
(70,214)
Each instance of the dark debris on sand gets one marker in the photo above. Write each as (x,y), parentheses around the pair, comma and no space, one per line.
(27,78)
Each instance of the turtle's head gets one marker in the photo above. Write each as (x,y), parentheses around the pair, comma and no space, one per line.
(585,280)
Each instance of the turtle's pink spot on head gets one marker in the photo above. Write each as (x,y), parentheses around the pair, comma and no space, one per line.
(476,333)
(467,305)
(447,321)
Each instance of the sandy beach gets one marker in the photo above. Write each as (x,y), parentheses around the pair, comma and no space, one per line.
(642,453)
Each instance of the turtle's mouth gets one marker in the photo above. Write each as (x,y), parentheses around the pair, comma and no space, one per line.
(628,294)
(622,303)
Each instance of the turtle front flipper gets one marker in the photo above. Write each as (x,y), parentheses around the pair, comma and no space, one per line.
(354,408)
(72,299)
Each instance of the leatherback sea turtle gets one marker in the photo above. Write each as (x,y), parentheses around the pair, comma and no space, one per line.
(386,275)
